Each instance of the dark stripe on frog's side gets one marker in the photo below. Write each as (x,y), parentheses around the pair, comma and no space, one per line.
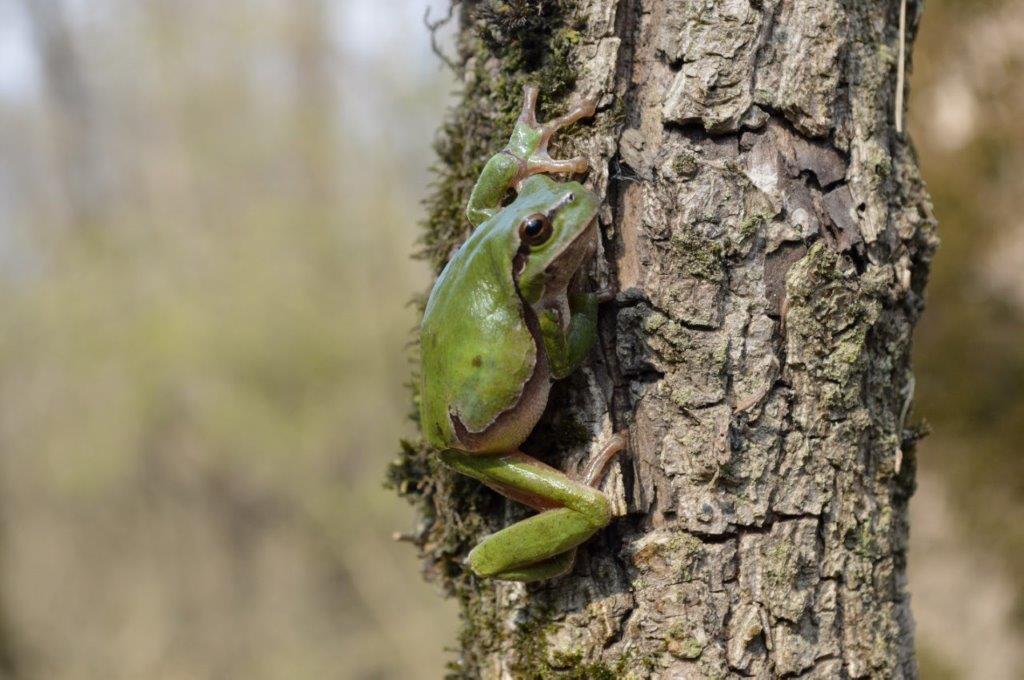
(492,323)
(476,402)
(516,422)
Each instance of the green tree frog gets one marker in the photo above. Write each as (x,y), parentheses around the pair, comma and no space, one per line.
(506,317)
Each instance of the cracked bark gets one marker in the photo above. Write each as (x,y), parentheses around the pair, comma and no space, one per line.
(770,238)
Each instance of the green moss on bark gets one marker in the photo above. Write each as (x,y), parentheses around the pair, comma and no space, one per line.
(502,47)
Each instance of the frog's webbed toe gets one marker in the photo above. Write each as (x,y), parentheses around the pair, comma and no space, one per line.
(540,161)
(543,163)
(529,113)
(585,109)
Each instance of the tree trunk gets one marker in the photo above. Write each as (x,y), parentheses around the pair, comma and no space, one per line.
(78,161)
(770,238)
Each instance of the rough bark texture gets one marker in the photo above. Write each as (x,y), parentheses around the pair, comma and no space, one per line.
(770,237)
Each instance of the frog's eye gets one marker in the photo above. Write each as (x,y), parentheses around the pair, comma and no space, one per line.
(535,229)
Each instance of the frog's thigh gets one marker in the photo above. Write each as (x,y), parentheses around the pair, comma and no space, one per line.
(528,480)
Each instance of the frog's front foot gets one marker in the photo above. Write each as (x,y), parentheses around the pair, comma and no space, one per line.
(525,154)
(535,137)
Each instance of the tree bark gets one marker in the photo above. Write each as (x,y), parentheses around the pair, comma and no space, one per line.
(770,238)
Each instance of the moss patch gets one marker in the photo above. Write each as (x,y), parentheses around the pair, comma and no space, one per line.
(537,662)
(503,45)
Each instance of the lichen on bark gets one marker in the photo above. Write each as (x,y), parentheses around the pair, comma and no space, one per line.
(770,238)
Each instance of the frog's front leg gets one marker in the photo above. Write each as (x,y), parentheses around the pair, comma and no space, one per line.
(525,154)
(567,345)
(542,546)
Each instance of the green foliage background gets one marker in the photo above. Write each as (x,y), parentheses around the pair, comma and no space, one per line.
(202,377)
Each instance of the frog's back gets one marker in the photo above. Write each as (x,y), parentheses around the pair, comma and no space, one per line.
(477,352)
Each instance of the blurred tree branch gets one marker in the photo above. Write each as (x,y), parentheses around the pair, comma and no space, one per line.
(71,112)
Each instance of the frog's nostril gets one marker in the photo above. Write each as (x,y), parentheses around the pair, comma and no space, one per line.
(570,198)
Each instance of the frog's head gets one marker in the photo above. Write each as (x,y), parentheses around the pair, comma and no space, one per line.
(556,231)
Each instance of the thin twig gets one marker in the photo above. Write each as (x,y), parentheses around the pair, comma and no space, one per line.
(404,537)
(908,398)
(434,26)
(901,66)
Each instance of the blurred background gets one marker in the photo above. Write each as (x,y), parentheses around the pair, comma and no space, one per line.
(207,212)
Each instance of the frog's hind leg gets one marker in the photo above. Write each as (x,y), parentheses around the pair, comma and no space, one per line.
(542,546)
(526,546)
